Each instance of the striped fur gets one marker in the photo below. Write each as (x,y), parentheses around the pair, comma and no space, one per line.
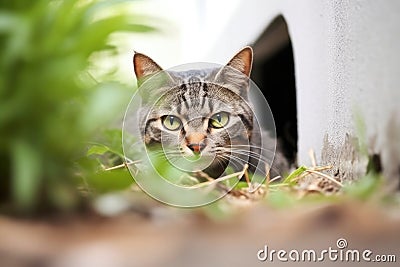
(194,96)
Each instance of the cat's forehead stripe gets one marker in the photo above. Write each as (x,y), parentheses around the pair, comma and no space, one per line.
(196,95)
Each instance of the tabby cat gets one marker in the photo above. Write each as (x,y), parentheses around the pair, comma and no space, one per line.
(204,113)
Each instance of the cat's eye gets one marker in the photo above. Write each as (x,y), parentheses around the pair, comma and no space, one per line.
(172,123)
(219,120)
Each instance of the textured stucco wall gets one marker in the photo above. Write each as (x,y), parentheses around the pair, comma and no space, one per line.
(347,59)
(373,75)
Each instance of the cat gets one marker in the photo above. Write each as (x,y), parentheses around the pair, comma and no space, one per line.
(205,113)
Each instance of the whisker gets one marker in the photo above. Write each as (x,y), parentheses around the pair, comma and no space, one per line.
(165,152)
(242,162)
(246,151)
(250,147)
(227,158)
(260,160)
(250,154)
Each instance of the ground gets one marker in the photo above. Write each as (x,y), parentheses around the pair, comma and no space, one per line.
(153,234)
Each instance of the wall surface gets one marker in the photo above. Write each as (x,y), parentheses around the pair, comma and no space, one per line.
(346,56)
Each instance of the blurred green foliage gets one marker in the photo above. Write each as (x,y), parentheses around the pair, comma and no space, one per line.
(102,169)
(50,105)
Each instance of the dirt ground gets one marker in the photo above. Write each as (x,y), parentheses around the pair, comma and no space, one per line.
(152,234)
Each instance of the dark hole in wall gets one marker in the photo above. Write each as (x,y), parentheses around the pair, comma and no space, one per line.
(374,163)
(274,74)
(5,179)
(398,172)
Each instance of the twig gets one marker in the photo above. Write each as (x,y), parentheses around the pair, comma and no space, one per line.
(312,157)
(246,175)
(322,168)
(204,175)
(220,179)
(236,174)
(267,173)
(125,164)
(326,176)
(274,179)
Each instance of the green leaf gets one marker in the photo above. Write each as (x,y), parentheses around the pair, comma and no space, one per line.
(108,181)
(26,175)
(241,185)
(296,173)
(140,28)
(7,21)
(97,150)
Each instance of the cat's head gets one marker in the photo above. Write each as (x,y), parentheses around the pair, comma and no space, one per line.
(202,112)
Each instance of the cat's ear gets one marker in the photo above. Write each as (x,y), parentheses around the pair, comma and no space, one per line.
(235,75)
(144,67)
(242,61)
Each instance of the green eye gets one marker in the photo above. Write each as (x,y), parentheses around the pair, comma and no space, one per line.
(219,120)
(172,123)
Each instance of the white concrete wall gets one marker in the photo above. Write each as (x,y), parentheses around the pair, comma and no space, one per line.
(365,75)
(346,57)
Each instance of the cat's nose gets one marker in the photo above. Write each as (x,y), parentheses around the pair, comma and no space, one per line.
(197,148)
(195,142)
